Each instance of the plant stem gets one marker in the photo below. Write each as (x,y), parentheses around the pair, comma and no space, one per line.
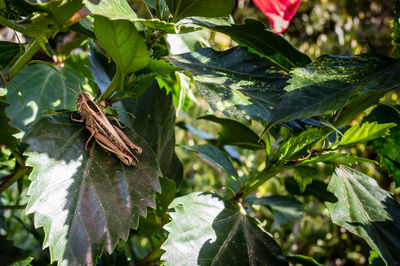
(113,87)
(34,47)
(260,179)
(12,207)
(20,172)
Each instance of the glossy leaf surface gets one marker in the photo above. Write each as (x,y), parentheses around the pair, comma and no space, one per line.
(85,200)
(366,210)
(236,82)
(37,83)
(256,36)
(330,81)
(112,9)
(208,230)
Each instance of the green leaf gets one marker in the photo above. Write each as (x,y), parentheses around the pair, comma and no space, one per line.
(236,134)
(167,27)
(37,83)
(236,82)
(367,211)
(112,9)
(215,156)
(255,35)
(85,200)
(202,8)
(9,53)
(297,259)
(396,30)
(290,147)
(122,42)
(304,175)
(64,10)
(188,42)
(388,147)
(330,81)
(154,120)
(208,230)
(375,260)
(317,189)
(333,157)
(365,132)
(7,131)
(285,209)
(167,195)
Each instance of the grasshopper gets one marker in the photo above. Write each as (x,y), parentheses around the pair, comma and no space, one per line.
(108,136)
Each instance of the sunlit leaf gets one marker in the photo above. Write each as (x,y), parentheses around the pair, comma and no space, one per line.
(366,210)
(365,132)
(236,82)
(208,230)
(389,146)
(304,175)
(85,200)
(112,9)
(42,88)
(256,36)
(333,157)
(122,42)
(330,81)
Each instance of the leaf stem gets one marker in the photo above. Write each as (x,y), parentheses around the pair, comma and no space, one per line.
(113,86)
(34,47)
(20,172)
(12,207)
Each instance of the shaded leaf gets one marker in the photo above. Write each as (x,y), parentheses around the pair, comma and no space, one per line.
(236,134)
(9,53)
(367,211)
(122,42)
(388,147)
(365,132)
(317,189)
(330,81)
(304,175)
(235,82)
(112,9)
(11,255)
(215,156)
(208,230)
(285,209)
(7,131)
(85,200)
(256,36)
(202,8)
(154,120)
(42,88)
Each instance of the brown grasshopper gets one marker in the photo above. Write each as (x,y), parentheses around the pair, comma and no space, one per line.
(106,135)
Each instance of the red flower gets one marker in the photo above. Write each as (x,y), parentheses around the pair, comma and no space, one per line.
(278,12)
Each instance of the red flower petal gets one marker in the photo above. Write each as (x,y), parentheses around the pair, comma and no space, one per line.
(278,12)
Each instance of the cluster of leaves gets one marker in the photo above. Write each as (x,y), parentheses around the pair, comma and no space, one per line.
(87,200)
